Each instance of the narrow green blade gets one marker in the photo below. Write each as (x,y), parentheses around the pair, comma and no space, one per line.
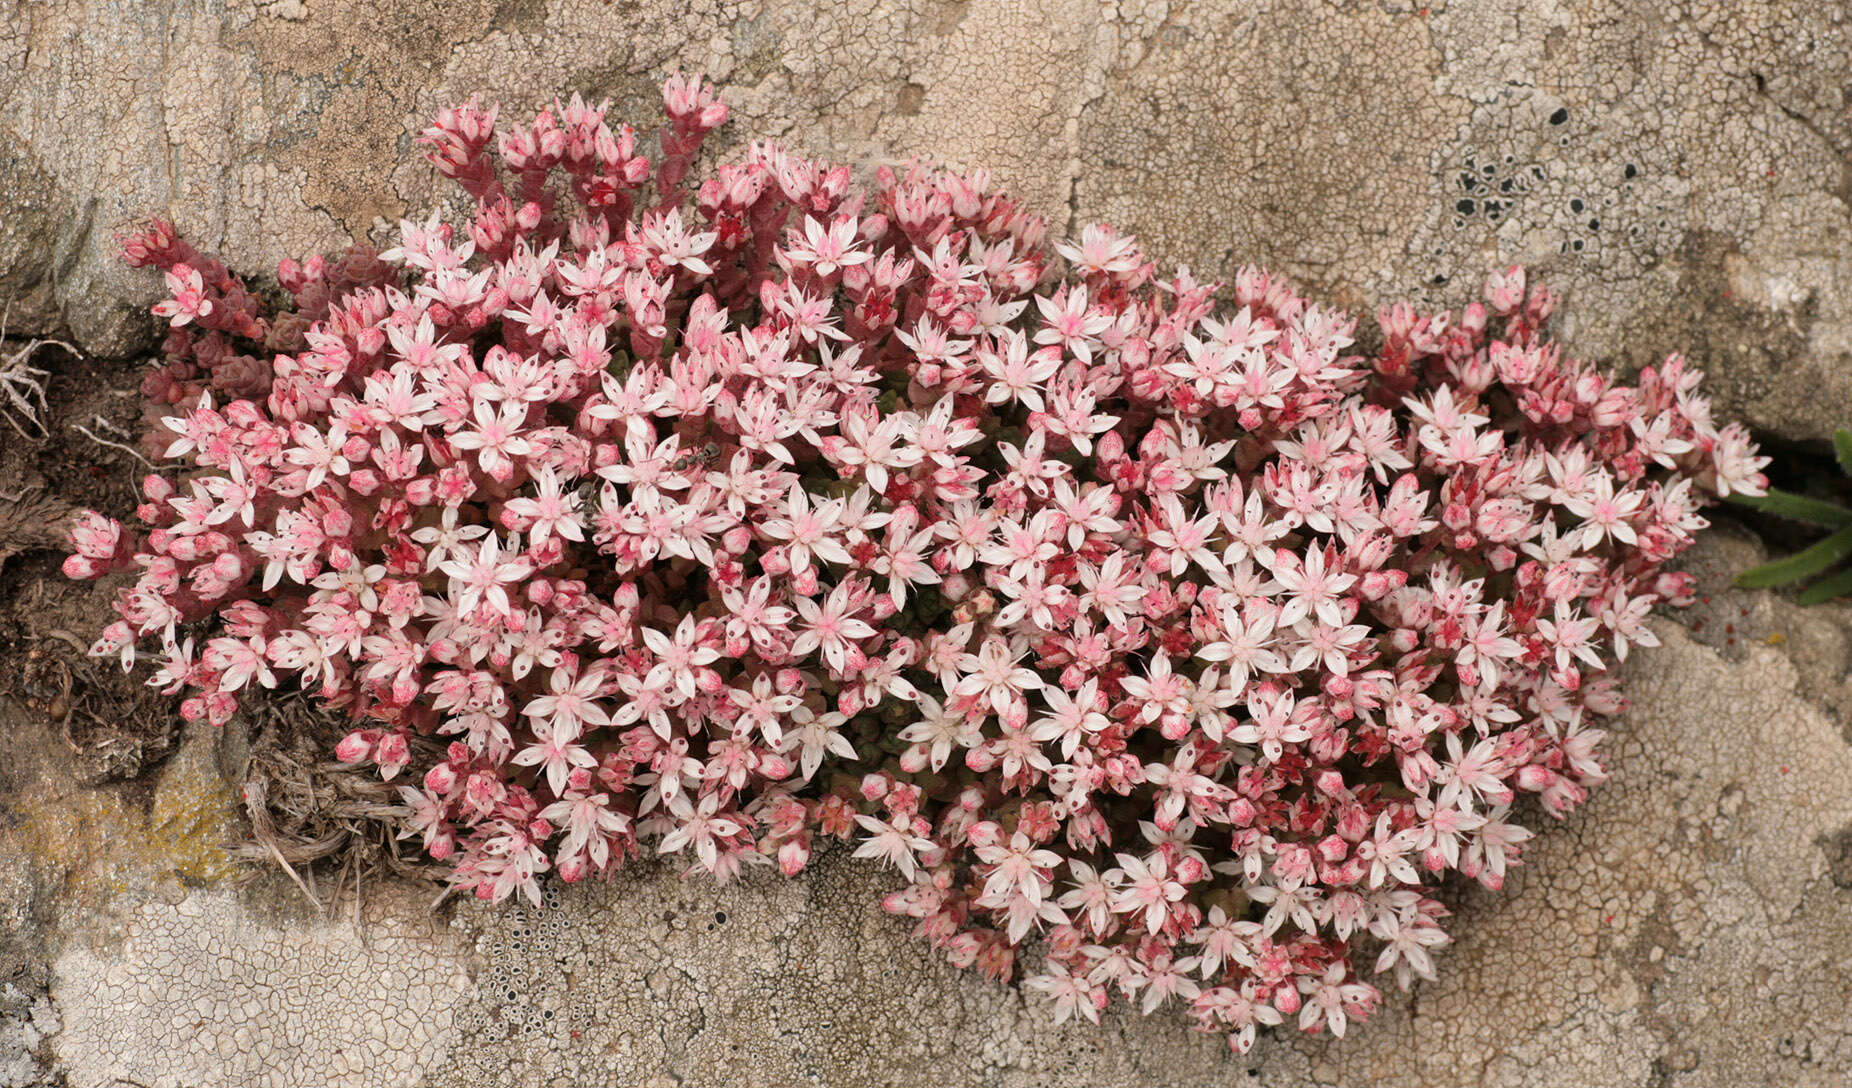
(1839,585)
(1842,448)
(1802,564)
(1796,508)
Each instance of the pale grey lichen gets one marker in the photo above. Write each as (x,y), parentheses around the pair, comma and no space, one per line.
(1685,925)
(1686,930)
(217,990)
(27,1020)
(1327,140)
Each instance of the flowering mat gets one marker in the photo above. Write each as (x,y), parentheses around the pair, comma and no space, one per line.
(1146,629)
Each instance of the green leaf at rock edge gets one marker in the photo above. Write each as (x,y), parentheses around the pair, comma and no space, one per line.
(1839,585)
(1794,507)
(1842,448)
(1802,564)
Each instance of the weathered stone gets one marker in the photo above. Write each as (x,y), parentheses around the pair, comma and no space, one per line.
(1681,171)
(223,990)
(1689,924)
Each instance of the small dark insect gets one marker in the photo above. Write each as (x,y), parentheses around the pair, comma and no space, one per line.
(700,458)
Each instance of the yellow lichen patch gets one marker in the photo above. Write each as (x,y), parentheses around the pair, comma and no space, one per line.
(194,817)
(102,843)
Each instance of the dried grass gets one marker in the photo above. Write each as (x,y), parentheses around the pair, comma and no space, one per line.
(22,385)
(323,823)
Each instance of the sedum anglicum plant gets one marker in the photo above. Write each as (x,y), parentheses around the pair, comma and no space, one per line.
(1163,644)
(1819,558)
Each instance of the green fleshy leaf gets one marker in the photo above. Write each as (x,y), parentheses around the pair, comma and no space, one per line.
(1842,448)
(1794,507)
(1839,585)
(1802,564)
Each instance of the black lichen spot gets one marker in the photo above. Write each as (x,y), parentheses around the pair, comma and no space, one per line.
(1630,172)
(1465,207)
(1594,224)
(1561,115)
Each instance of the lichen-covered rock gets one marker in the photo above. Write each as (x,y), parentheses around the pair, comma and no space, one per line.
(215,990)
(1681,171)
(27,1017)
(1688,927)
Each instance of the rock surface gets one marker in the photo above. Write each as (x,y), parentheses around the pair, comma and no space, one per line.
(1681,170)
(1691,927)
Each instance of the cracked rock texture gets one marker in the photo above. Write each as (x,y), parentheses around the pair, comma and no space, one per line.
(1691,927)
(1681,169)
(214,990)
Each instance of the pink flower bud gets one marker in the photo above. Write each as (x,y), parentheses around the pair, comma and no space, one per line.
(356,747)
(1286,998)
(440,779)
(984,833)
(82,566)
(1535,778)
(793,855)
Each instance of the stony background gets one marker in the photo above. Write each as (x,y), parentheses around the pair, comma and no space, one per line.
(1682,171)
(1681,168)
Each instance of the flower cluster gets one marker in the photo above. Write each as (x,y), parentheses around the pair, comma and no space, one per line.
(222,339)
(1176,637)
